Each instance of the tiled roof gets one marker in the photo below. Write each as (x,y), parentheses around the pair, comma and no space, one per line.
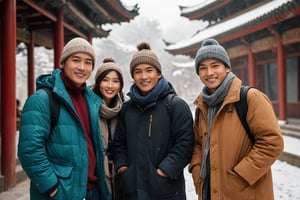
(254,16)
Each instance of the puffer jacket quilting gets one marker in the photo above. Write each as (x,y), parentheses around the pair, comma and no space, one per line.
(60,156)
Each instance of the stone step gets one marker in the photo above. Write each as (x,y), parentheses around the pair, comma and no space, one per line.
(292,127)
(290,158)
(295,134)
(294,121)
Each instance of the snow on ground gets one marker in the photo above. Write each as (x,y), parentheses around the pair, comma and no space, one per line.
(285,179)
(285,176)
(291,145)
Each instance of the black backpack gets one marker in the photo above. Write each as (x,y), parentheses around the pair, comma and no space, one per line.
(54,107)
(241,109)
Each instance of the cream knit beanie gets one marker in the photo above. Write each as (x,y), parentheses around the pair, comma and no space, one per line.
(77,45)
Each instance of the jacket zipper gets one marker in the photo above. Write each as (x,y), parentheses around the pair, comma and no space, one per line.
(150,125)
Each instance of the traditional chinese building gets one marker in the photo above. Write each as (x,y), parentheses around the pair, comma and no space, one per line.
(51,24)
(263,42)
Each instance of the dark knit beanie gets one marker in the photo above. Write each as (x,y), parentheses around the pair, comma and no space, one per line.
(108,64)
(144,56)
(77,45)
(210,48)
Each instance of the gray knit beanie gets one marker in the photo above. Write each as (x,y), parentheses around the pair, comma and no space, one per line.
(108,64)
(144,56)
(77,45)
(210,48)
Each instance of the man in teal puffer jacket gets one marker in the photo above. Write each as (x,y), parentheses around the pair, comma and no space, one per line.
(66,161)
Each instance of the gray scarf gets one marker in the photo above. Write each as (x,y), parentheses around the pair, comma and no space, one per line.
(213,100)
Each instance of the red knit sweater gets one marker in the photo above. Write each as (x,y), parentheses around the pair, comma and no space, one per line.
(80,105)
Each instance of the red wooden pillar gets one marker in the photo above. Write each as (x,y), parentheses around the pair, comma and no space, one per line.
(252,69)
(251,63)
(281,79)
(8,94)
(59,38)
(30,59)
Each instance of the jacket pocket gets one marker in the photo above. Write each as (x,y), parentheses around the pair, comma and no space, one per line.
(63,171)
(65,181)
(164,187)
(58,195)
(237,188)
(128,180)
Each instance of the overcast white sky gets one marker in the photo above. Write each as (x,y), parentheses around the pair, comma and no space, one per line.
(167,12)
(162,10)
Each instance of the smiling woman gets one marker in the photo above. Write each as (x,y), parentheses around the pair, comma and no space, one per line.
(108,85)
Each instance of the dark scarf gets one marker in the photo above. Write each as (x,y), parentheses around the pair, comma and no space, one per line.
(153,95)
(212,100)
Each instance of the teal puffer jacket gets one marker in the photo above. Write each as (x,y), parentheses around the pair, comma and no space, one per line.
(62,155)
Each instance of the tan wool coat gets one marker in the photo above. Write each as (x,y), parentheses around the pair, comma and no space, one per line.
(238,170)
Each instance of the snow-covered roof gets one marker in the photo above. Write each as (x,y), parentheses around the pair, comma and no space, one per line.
(196,7)
(229,24)
(183,64)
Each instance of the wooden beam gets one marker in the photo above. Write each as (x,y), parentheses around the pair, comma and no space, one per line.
(53,17)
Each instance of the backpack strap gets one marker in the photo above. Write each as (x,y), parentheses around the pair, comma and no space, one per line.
(169,99)
(197,115)
(54,107)
(242,109)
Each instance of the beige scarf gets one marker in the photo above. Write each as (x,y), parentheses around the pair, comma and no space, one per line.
(107,113)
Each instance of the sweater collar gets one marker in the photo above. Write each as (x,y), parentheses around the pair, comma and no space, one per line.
(71,88)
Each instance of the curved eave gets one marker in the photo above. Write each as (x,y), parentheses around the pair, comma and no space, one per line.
(192,13)
(189,51)
(124,13)
(99,11)
(116,11)
(282,13)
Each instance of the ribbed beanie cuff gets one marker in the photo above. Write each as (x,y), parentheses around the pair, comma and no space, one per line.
(144,56)
(210,48)
(108,64)
(77,45)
